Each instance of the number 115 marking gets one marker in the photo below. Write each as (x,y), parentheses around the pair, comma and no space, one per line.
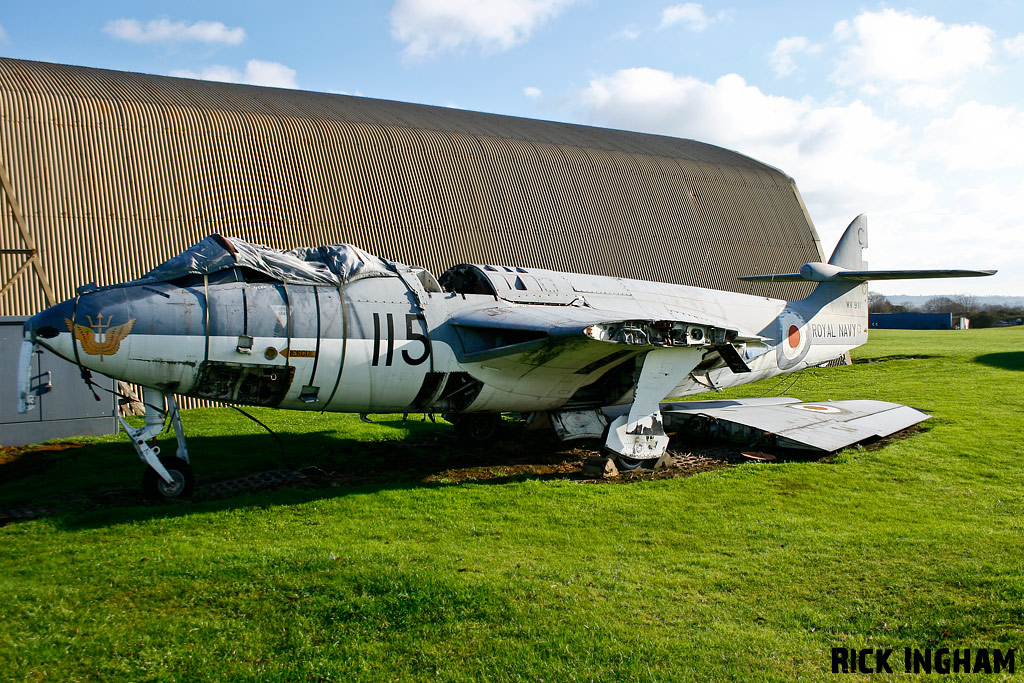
(410,334)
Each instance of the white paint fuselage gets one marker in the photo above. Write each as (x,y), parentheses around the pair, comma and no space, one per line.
(388,344)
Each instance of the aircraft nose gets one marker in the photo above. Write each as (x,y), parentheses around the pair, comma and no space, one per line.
(83,329)
(50,323)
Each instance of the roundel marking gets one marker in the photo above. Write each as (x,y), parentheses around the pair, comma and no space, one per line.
(793,339)
(816,408)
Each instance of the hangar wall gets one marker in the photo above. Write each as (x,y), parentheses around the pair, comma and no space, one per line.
(117,171)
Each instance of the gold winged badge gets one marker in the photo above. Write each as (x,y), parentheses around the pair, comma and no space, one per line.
(98,339)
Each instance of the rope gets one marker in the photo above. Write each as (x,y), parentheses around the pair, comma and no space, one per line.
(92,385)
(269,430)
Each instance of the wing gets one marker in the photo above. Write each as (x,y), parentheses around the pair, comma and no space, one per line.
(567,334)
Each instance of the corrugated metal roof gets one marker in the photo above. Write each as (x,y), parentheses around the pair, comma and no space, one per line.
(117,171)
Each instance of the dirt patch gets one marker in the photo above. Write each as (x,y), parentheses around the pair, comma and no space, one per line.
(18,462)
(548,459)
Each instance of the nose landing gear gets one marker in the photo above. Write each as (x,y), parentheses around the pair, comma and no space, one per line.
(168,477)
(182,482)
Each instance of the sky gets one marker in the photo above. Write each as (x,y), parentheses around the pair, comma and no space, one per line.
(911,113)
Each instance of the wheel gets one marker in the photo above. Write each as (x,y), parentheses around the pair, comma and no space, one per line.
(628,464)
(184,481)
(477,426)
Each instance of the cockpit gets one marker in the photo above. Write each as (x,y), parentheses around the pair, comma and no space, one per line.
(466,279)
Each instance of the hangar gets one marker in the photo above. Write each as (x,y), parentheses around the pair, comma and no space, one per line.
(115,171)
(107,173)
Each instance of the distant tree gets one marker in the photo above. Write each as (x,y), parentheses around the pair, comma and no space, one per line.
(994,313)
(966,304)
(877,303)
(983,319)
(939,304)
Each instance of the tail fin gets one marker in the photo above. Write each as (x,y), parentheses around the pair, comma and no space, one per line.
(849,252)
(847,264)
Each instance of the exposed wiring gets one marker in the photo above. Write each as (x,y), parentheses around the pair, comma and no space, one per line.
(87,377)
(269,430)
(792,382)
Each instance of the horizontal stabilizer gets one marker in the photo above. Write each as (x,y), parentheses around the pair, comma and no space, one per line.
(778,277)
(863,275)
(825,272)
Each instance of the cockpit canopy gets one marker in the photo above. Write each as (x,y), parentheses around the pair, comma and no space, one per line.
(227,258)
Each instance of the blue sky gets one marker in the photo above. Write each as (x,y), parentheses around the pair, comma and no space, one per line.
(909,112)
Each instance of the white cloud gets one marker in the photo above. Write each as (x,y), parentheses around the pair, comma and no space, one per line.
(532,92)
(898,47)
(977,137)
(782,56)
(3,34)
(429,27)
(943,194)
(940,177)
(630,32)
(166,31)
(691,15)
(920,95)
(256,72)
(661,102)
(1015,46)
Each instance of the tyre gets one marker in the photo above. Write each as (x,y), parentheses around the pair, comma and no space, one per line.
(628,464)
(477,427)
(182,486)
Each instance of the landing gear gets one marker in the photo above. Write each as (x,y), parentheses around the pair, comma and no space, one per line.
(476,426)
(651,464)
(164,477)
(183,481)
(638,438)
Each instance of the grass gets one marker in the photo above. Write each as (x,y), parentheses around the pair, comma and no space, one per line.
(751,573)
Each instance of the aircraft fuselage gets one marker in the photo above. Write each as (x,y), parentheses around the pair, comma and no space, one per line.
(388,344)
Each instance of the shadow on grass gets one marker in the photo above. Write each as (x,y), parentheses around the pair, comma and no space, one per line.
(97,485)
(1008,360)
(91,485)
(899,356)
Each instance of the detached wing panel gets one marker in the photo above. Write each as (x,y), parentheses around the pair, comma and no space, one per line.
(827,426)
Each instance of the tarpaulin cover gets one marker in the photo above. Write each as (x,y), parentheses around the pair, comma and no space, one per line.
(328,265)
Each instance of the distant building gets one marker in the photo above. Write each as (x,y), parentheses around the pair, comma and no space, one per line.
(912,321)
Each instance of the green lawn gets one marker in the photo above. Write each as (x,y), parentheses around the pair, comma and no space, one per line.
(751,573)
